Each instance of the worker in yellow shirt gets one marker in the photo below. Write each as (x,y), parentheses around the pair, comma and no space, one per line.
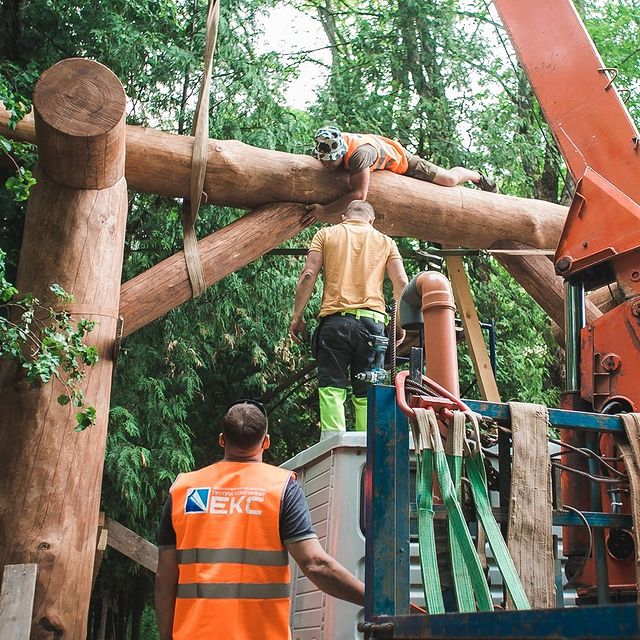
(354,258)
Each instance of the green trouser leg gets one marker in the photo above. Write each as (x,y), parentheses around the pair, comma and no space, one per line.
(360,407)
(332,408)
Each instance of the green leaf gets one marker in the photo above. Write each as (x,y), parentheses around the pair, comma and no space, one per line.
(85,418)
(63,399)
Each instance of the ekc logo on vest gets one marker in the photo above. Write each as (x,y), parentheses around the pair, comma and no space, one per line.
(224,502)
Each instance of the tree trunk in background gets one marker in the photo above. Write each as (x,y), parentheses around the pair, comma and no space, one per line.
(50,475)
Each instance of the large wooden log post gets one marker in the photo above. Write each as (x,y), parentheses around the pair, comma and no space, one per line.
(50,475)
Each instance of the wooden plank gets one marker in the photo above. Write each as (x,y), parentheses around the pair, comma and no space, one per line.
(132,545)
(472,330)
(101,545)
(16,601)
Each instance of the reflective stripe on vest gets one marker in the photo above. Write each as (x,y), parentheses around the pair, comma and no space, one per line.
(233,590)
(214,510)
(391,155)
(234,556)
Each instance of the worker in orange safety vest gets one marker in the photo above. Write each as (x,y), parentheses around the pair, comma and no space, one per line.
(360,154)
(224,539)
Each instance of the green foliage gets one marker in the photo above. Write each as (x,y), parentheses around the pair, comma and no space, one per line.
(19,184)
(435,74)
(46,343)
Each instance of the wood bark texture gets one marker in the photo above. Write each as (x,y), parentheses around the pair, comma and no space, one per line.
(50,474)
(166,285)
(242,176)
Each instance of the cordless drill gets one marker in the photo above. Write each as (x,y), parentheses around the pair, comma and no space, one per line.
(377,373)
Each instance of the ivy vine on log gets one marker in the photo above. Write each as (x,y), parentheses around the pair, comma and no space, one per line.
(47,343)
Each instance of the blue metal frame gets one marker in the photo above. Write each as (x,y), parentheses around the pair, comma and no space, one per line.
(387,513)
(387,556)
(559,418)
(609,622)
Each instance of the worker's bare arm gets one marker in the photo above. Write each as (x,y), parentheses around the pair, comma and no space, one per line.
(304,289)
(166,586)
(326,572)
(359,190)
(399,280)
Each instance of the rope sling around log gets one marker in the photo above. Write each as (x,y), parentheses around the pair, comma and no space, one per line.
(199,157)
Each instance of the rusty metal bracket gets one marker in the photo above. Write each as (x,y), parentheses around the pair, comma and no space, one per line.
(117,342)
(611,73)
(627,93)
(374,627)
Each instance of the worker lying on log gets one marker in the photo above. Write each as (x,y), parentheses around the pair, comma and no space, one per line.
(354,258)
(223,568)
(359,154)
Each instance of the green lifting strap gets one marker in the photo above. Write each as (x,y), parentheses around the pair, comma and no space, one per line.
(461,580)
(426,533)
(428,426)
(478,481)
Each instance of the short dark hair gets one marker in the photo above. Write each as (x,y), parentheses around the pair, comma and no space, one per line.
(244,424)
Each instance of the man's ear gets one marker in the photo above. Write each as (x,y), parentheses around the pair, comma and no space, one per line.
(221,440)
(266,442)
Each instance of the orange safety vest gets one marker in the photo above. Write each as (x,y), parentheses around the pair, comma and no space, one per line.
(391,154)
(233,568)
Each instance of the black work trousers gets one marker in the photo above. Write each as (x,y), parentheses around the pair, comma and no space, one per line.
(344,350)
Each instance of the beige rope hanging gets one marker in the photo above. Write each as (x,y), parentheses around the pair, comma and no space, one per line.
(529,535)
(629,445)
(200,131)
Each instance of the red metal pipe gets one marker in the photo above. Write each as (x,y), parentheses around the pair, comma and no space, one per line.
(438,310)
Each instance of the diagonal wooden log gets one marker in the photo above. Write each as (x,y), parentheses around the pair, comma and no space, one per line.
(537,277)
(243,176)
(166,285)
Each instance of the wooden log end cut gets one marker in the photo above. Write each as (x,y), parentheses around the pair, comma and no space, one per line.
(79,108)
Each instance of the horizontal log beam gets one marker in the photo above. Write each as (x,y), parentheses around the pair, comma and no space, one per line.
(239,175)
(242,176)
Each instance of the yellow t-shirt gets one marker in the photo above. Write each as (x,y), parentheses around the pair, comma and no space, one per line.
(354,260)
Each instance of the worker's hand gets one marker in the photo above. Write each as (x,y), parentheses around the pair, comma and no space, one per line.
(298,330)
(314,211)
(401,334)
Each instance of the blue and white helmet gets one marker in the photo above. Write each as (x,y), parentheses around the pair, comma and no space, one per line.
(330,144)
